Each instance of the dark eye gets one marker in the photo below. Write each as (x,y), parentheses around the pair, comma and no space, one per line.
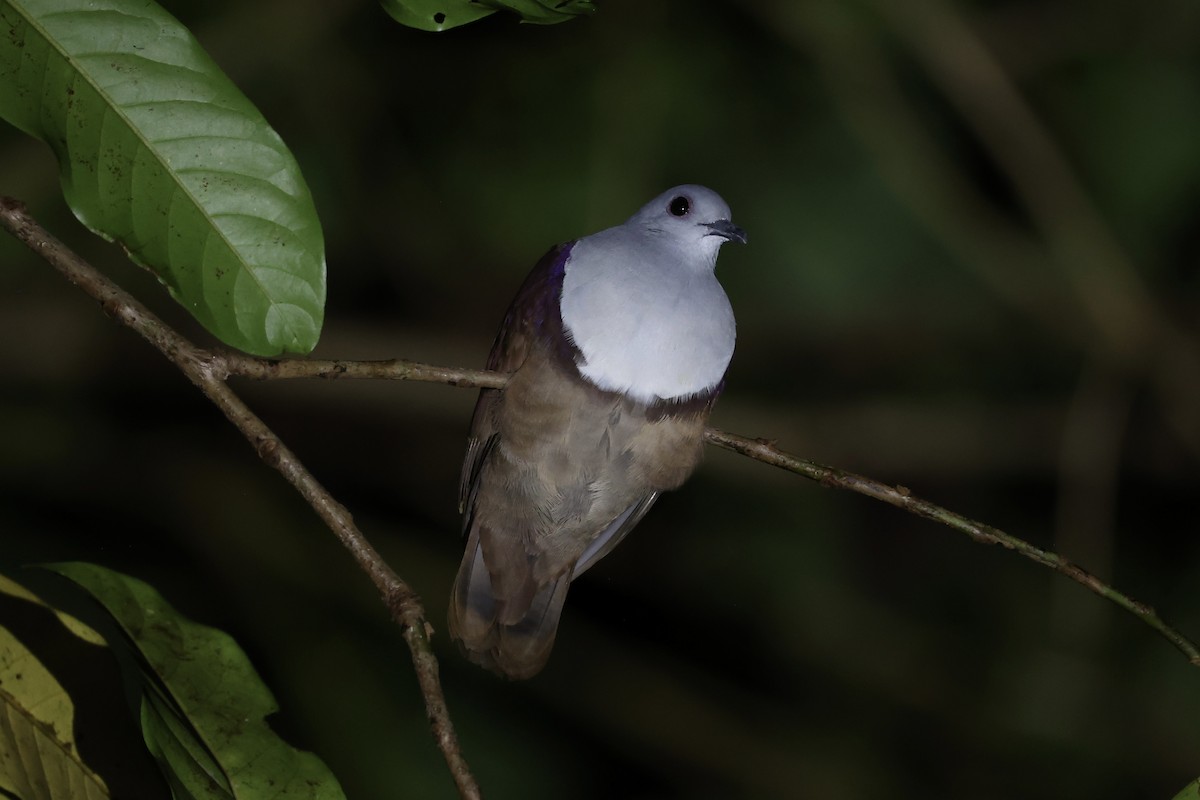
(680,206)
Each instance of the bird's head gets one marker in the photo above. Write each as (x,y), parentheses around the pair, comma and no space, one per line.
(692,220)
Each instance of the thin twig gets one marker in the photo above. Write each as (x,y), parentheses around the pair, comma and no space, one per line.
(395,369)
(208,371)
(901,497)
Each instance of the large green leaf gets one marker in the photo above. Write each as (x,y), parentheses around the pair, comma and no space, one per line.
(203,706)
(160,152)
(440,15)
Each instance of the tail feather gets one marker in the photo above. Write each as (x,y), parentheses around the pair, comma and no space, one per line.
(518,650)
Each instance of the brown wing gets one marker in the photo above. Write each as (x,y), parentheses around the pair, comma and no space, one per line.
(564,480)
(533,312)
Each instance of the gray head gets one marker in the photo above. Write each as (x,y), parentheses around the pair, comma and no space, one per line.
(691,216)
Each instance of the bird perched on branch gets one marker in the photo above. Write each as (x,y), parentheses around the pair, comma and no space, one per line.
(617,346)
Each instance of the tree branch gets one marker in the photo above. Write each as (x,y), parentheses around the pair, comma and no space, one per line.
(394,369)
(209,369)
(899,496)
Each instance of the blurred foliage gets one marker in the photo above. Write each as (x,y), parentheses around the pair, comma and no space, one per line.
(907,308)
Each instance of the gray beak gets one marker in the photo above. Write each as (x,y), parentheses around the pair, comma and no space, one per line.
(726,230)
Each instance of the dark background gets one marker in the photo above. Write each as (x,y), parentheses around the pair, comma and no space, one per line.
(988,298)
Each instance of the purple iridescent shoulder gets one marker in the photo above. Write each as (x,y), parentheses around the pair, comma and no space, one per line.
(534,312)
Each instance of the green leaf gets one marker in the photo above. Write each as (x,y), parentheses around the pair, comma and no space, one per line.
(160,152)
(440,15)
(426,15)
(39,758)
(543,13)
(1190,792)
(203,706)
(193,770)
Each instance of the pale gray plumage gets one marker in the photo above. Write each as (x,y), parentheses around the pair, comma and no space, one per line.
(644,307)
(617,345)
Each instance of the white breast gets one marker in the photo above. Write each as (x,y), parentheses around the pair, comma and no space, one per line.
(647,325)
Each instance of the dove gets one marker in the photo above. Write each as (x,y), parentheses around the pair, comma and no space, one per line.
(616,346)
